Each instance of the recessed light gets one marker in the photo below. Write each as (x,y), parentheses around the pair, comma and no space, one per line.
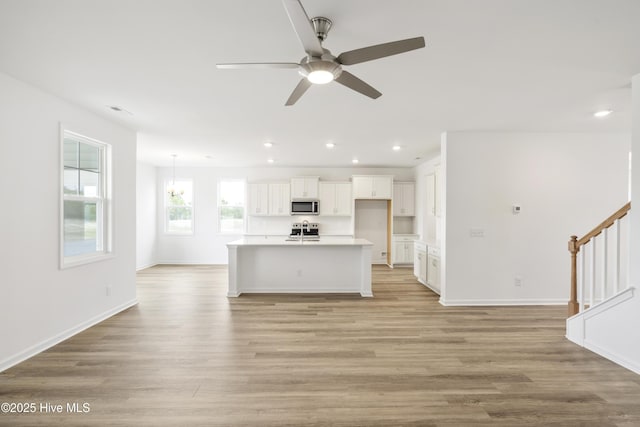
(270,160)
(330,144)
(396,148)
(355,161)
(268,144)
(603,113)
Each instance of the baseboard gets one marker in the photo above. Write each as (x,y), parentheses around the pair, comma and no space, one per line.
(144,267)
(616,358)
(492,302)
(299,291)
(182,262)
(48,343)
(607,304)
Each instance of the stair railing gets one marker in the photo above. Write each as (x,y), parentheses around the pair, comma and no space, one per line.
(578,300)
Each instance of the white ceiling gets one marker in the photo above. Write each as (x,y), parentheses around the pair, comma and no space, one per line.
(515,65)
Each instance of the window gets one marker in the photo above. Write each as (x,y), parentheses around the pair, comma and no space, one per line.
(85,233)
(231,209)
(178,207)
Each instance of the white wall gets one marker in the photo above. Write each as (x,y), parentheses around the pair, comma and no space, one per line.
(634,247)
(146,216)
(566,184)
(40,304)
(206,245)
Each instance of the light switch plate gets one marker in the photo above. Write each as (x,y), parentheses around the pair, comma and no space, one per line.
(476,232)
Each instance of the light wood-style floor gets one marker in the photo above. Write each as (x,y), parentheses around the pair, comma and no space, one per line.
(187,355)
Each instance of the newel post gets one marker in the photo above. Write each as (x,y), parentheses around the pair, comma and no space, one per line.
(573,303)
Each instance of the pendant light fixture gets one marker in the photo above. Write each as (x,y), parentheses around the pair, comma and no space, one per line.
(172,189)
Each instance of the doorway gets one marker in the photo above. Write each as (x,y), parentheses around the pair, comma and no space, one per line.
(371,223)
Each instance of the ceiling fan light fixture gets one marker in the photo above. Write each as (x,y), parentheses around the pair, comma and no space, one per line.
(320,72)
(320,77)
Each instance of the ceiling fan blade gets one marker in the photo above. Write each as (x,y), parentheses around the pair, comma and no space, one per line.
(303,28)
(352,82)
(380,51)
(258,65)
(300,89)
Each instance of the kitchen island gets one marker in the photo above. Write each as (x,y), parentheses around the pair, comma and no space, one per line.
(277,265)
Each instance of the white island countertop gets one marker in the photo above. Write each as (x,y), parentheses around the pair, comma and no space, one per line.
(324,241)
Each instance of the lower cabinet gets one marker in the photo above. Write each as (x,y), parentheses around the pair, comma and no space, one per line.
(420,262)
(426,265)
(433,269)
(402,248)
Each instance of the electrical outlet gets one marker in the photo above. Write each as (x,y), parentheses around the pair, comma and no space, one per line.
(517,281)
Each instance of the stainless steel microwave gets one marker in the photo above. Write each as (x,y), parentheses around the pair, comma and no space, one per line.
(305,207)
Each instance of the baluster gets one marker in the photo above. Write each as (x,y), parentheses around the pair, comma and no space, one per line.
(592,283)
(581,280)
(607,286)
(616,277)
(605,258)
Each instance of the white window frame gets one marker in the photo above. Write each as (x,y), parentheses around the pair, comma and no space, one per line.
(218,206)
(102,199)
(166,207)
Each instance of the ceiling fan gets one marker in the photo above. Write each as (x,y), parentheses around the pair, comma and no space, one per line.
(320,66)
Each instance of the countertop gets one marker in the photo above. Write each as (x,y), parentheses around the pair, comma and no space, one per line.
(429,244)
(324,241)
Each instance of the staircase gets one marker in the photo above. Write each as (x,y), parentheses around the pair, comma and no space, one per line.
(604,310)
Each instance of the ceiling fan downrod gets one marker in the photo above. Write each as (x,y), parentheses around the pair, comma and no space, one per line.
(321,26)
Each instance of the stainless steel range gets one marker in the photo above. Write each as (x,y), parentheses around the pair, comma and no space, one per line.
(304,231)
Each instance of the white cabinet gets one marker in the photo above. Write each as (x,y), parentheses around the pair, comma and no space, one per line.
(404,199)
(372,187)
(304,187)
(402,252)
(434,193)
(335,198)
(268,199)
(258,199)
(279,199)
(420,262)
(433,268)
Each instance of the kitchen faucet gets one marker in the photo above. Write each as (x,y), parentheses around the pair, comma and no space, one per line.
(305,226)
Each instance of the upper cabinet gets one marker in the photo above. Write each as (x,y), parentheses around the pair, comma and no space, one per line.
(304,187)
(434,186)
(258,199)
(372,186)
(335,198)
(404,198)
(270,199)
(279,199)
